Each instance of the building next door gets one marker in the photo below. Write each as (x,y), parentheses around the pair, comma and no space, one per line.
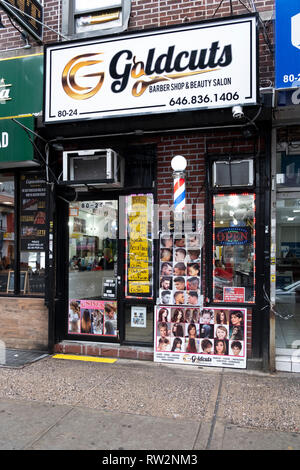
(288,272)
(93,268)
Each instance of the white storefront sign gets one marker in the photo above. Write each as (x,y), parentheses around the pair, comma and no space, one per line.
(199,66)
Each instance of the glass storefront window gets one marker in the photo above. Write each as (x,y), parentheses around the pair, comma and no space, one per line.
(32,233)
(7,231)
(288,166)
(234,248)
(32,272)
(139,323)
(23,253)
(288,272)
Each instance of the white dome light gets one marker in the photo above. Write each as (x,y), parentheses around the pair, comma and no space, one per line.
(178,163)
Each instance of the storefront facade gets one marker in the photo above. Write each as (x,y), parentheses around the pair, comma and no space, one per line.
(285,333)
(23,313)
(285,239)
(117,108)
(111,267)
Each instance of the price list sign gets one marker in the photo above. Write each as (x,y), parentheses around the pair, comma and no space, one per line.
(33,213)
(139,251)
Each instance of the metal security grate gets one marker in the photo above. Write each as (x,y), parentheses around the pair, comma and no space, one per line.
(19,358)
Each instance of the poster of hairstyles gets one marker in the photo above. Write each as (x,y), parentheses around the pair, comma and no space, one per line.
(201,336)
(180,269)
(93,317)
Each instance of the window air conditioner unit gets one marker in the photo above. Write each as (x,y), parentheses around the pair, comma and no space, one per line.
(96,167)
(229,173)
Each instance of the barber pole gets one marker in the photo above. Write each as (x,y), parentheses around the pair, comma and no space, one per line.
(178,164)
(179,194)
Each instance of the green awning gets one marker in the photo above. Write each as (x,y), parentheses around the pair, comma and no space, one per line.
(21,96)
(16,148)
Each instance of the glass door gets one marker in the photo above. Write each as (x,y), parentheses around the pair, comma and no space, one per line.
(288,270)
(93,269)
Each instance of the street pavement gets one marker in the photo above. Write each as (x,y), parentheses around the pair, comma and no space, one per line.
(58,404)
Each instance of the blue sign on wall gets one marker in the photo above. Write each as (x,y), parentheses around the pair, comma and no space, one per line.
(287,64)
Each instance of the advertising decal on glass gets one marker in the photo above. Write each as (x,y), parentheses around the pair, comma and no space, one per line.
(139,246)
(92,317)
(180,269)
(138,316)
(33,213)
(201,336)
(109,288)
(234,294)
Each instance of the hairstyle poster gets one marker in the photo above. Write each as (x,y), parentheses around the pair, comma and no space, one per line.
(201,336)
(93,317)
(180,269)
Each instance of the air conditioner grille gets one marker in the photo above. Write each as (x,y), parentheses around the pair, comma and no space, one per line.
(233,173)
(89,169)
(96,167)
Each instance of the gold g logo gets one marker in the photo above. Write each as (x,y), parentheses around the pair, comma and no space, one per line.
(186,358)
(69,84)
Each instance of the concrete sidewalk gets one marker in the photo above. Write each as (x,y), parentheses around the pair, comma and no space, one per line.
(133,405)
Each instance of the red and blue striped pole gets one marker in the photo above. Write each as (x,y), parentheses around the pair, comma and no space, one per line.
(179,194)
(178,164)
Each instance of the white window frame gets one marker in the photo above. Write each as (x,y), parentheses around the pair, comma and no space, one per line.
(69,12)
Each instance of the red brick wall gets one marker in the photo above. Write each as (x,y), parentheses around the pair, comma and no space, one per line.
(193,146)
(52,18)
(24,323)
(249,331)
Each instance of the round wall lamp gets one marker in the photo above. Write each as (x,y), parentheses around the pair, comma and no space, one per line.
(178,163)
